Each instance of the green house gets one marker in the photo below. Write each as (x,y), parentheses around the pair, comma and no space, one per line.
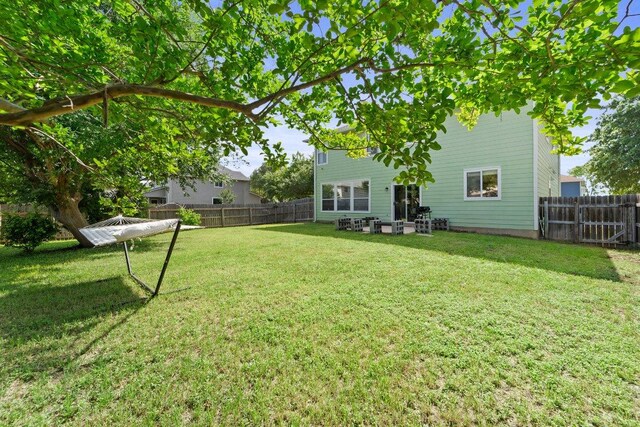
(488,179)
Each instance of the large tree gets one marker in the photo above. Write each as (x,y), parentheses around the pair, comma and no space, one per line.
(36,167)
(394,69)
(615,156)
(284,183)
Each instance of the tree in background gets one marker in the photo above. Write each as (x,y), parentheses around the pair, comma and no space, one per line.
(186,73)
(289,182)
(227,196)
(615,156)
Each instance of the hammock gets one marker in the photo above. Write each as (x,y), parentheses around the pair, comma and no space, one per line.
(120,229)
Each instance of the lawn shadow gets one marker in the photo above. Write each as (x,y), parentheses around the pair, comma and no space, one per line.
(35,320)
(55,255)
(580,260)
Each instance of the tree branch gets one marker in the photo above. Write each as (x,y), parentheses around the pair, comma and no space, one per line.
(80,102)
(302,86)
(10,106)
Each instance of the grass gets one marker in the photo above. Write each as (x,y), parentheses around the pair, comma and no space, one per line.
(300,324)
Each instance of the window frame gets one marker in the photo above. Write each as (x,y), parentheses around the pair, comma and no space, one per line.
(350,183)
(326,157)
(218,198)
(482,170)
(372,151)
(215,184)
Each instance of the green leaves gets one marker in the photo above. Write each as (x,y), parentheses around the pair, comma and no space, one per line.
(615,156)
(418,61)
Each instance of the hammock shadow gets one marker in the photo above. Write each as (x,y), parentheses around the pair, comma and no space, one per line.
(45,327)
(17,264)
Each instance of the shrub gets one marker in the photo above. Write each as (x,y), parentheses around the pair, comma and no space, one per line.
(28,231)
(189,217)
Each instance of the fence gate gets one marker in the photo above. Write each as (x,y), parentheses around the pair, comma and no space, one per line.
(604,224)
(611,220)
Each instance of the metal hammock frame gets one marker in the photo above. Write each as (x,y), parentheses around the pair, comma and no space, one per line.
(122,220)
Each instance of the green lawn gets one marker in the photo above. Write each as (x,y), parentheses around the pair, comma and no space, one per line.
(300,324)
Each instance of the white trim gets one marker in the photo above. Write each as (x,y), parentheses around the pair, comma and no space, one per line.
(536,199)
(351,194)
(481,169)
(326,158)
(315,190)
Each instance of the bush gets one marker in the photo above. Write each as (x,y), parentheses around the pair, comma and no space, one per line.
(189,217)
(28,231)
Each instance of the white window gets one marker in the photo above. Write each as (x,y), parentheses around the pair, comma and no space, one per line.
(371,151)
(218,184)
(216,200)
(322,157)
(482,184)
(348,196)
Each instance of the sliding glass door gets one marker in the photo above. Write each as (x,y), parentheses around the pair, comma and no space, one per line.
(406,200)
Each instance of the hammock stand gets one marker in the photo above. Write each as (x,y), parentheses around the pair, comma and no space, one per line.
(120,229)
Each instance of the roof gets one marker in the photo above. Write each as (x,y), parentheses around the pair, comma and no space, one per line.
(569,178)
(158,187)
(234,175)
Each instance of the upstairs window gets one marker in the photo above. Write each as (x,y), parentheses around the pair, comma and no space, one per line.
(321,157)
(482,184)
(218,184)
(372,151)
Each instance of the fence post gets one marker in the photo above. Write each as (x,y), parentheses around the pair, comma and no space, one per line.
(222,216)
(250,216)
(294,212)
(634,218)
(546,219)
(576,221)
(275,214)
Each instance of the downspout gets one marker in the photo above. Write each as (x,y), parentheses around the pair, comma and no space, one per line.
(536,199)
(315,186)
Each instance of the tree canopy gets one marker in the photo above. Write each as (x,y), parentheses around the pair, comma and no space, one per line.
(394,69)
(615,156)
(290,182)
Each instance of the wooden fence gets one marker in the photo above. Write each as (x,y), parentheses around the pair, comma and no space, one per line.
(608,220)
(233,215)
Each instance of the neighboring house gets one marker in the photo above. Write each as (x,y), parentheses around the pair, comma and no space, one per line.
(204,192)
(572,186)
(488,179)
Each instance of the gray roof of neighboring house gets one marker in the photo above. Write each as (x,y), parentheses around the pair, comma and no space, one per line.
(158,187)
(235,175)
(569,178)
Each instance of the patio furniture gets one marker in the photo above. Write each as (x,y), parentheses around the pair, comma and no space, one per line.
(397,227)
(422,225)
(343,223)
(440,224)
(356,224)
(423,212)
(375,226)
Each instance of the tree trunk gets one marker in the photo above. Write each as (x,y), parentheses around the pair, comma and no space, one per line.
(68,214)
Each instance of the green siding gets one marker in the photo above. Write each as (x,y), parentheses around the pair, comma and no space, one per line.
(505,142)
(548,167)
